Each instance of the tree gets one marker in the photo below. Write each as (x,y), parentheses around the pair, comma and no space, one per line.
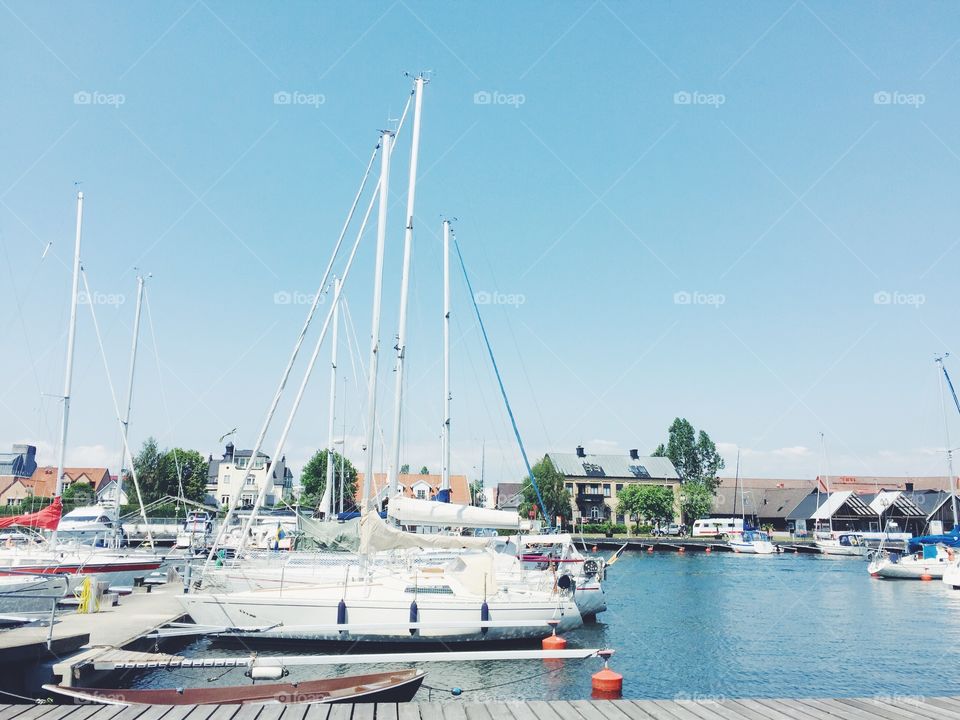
(166,472)
(313,480)
(696,497)
(405,469)
(80,494)
(476,494)
(552,488)
(654,503)
(693,454)
(424,471)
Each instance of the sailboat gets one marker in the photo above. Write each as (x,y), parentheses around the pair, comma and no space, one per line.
(50,556)
(842,544)
(751,541)
(927,557)
(383,596)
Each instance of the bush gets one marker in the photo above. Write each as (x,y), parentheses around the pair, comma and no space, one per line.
(644,529)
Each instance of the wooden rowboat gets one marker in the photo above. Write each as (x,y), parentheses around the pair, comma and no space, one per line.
(396,686)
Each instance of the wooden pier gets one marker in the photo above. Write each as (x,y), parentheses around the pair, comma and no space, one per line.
(888,708)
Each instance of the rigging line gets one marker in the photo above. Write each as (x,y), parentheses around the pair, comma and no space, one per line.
(950,385)
(363,372)
(116,407)
(503,391)
(163,391)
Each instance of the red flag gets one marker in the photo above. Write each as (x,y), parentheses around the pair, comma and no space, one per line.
(46,519)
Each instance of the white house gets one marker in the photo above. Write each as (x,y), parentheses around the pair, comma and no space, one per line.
(107,493)
(235,473)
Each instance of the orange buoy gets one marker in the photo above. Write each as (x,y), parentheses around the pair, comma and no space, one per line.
(708,549)
(650,549)
(594,548)
(606,684)
(681,549)
(554,641)
(926,578)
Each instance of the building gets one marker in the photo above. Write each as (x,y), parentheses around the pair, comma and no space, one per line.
(110,491)
(13,492)
(595,481)
(234,471)
(763,506)
(43,482)
(509,497)
(905,511)
(423,487)
(20,463)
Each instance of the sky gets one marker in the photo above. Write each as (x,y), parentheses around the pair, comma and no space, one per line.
(742,214)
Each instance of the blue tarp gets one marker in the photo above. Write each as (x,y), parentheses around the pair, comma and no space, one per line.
(950,539)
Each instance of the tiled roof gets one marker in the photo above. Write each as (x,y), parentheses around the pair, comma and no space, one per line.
(459,487)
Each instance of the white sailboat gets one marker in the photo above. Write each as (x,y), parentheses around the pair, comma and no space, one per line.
(750,541)
(841,544)
(929,557)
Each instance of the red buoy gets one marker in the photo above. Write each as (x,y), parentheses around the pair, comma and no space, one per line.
(681,549)
(708,549)
(650,549)
(554,641)
(606,684)
(594,548)
(926,578)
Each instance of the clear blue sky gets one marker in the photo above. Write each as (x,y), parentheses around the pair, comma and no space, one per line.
(787,167)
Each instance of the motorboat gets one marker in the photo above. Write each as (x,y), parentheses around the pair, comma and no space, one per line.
(843,543)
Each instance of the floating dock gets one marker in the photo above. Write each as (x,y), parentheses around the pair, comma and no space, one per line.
(894,708)
(705,545)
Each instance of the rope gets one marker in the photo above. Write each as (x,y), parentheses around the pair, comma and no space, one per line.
(461,691)
(503,392)
(35,701)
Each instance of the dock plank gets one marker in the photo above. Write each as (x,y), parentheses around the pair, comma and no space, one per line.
(247,712)
(836,709)
(477,711)
(386,711)
(338,712)
(719,710)
(521,710)
(945,704)
(500,711)
(796,710)
(360,712)
(753,709)
(408,711)
(653,710)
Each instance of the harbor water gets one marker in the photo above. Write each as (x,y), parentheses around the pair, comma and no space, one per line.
(710,626)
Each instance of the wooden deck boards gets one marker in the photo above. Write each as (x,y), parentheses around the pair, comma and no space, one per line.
(892,708)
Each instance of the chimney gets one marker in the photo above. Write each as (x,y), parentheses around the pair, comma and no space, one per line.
(580,451)
(909,487)
(634,454)
(228,454)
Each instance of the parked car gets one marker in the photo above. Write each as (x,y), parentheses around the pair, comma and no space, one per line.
(672,530)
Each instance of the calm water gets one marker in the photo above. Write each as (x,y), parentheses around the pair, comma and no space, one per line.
(705,626)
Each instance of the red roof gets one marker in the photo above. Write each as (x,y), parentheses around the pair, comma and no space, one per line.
(459,487)
(43,482)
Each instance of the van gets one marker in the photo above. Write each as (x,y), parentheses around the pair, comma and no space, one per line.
(717,527)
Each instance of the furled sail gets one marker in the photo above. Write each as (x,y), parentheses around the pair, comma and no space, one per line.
(411,511)
(46,519)
(377,536)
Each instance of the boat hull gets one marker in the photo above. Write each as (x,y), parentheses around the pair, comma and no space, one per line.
(752,548)
(908,568)
(390,687)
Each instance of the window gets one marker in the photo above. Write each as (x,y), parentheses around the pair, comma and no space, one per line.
(421,494)
(606,489)
(13,501)
(250,480)
(594,513)
(226,479)
(639,470)
(241,463)
(569,487)
(224,499)
(619,487)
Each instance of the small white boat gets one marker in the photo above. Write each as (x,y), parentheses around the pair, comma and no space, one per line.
(843,543)
(929,563)
(752,542)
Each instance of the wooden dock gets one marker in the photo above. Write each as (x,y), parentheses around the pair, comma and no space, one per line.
(887,708)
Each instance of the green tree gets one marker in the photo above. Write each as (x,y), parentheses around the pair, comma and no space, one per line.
(552,487)
(654,503)
(693,454)
(79,494)
(696,497)
(165,472)
(313,480)
(424,470)
(405,469)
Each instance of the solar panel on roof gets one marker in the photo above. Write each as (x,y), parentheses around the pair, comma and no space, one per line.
(593,470)
(638,471)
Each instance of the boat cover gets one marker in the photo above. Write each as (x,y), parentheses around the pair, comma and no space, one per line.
(46,519)
(377,536)
(412,511)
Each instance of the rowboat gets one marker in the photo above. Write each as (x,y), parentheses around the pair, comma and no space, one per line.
(386,687)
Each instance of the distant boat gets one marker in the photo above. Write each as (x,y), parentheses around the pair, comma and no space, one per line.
(843,543)
(387,687)
(752,542)
(927,563)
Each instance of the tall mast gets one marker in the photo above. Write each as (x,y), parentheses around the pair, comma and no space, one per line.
(826,479)
(394,463)
(71,342)
(946,435)
(445,474)
(743,508)
(327,502)
(125,423)
(386,138)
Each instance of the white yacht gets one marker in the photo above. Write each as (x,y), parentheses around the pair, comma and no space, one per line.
(849,544)
(752,542)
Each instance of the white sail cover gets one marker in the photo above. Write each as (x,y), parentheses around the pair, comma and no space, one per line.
(377,536)
(410,511)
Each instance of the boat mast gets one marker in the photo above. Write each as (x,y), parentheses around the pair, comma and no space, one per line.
(736,482)
(946,435)
(386,138)
(327,502)
(125,423)
(826,479)
(71,342)
(394,463)
(445,474)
